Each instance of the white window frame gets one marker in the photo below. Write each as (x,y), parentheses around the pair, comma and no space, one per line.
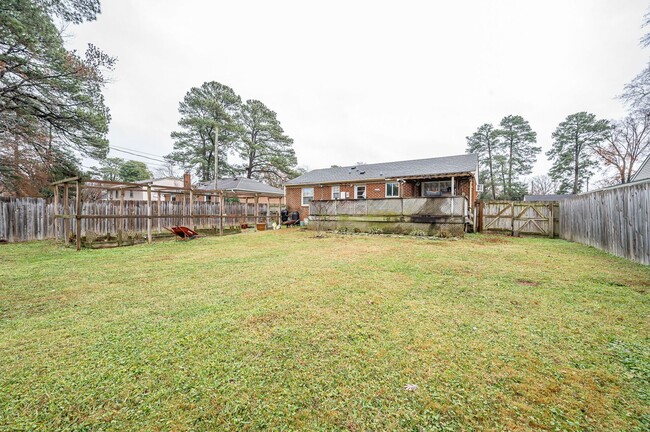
(386,190)
(338,192)
(365,191)
(303,196)
(436,181)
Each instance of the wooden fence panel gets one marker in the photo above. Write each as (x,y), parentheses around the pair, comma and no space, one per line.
(25,219)
(616,220)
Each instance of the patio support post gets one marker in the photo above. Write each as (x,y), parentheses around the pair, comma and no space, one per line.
(122,220)
(56,211)
(66,213)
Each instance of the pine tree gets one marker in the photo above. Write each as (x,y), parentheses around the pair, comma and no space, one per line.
(485,143)
(518,146)
(572,153)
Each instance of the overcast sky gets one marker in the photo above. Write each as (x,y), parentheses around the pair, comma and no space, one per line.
(369,81)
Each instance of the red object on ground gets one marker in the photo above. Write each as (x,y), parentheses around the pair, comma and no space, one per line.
(183,232)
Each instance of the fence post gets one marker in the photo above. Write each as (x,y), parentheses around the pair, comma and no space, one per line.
(149,213)
(221,213)
(191,210)
(551,221)
(78,214)
(158,213)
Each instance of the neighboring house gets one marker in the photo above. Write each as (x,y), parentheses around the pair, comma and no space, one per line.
(244,188)
(141,194)
(547,198)
(643,173)
(428,178)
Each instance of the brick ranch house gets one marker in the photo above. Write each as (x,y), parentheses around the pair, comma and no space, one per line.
(451,176)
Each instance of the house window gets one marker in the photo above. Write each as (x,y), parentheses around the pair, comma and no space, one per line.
(360,192)
(130,194)
(392,190)
(307,196)
(436,188)
(336,192)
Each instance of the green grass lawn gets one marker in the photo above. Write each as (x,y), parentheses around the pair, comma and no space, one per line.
(281,330)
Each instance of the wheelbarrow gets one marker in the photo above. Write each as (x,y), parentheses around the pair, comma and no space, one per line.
(184,233)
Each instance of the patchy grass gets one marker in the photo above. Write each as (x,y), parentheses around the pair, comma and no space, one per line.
(279,330)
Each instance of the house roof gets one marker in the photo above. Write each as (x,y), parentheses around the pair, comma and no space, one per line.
(644,171)
(154,180)
(549,197)
(242,184)
(460,164)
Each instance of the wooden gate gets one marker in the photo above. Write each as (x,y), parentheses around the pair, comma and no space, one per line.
(520,217)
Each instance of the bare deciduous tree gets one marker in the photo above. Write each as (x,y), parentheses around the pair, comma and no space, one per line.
(543,185)
(627,142)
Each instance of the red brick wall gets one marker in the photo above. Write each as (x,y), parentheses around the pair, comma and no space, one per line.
(373,191)
(408,190)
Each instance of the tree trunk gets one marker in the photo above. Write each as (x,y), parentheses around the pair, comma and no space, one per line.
(510,169)
(576,170)
(494,190)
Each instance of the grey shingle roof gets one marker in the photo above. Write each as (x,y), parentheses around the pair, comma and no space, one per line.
(549,197)
(419,167)
(242,184)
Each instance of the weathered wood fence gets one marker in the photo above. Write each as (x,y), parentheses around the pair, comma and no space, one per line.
(616,220)
(25,219)
(519,217)
(438,215)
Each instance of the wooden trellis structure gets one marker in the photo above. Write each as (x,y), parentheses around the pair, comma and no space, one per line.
(94,190)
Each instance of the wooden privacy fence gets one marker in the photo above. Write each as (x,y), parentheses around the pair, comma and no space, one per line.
(520,217)
(25,219)
(616,220)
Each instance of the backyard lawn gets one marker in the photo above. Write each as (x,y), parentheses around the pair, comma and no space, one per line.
(282,330)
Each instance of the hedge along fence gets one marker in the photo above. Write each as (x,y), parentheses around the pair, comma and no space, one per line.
(25,219)
(616,220)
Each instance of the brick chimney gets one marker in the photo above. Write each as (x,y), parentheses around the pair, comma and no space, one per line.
(187,180)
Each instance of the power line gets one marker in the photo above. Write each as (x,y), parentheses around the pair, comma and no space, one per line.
(138,155)
(136,151)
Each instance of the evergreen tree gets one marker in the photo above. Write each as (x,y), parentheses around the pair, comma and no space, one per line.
(266,150)
(50,98)
(202,110)
(485,143)
(132,171)
(517,141)
(572,153)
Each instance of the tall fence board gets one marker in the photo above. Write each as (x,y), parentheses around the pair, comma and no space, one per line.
(25,219)
(616,220)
